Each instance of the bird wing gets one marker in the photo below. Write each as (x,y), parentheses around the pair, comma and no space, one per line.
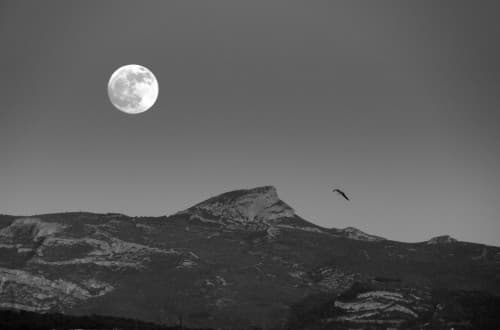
(341,193)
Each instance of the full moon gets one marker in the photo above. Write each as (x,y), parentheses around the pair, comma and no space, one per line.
(133,89)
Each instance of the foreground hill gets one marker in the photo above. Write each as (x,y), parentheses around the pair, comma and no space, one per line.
(237,260)
(17,320)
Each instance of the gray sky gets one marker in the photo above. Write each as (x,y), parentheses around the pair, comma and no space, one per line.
(396,102)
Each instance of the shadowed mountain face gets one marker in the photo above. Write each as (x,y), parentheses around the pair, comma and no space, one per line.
(240,259)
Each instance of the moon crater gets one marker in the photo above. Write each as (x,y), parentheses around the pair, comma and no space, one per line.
(133,89)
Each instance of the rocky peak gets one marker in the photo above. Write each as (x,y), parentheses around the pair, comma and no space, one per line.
(443,239)
(247,205)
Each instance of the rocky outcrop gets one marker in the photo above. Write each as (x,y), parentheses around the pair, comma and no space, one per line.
(354,233)
(28,230)
(391,309)
(444,239)
(24,290)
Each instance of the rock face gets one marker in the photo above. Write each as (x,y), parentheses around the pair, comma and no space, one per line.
(243,206)
(237,260)
(253,209)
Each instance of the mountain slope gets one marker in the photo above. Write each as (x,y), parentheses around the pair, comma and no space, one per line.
(236,260)
(354,233)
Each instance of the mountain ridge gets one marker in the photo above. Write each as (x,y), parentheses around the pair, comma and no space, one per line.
(236,260)
(271,192)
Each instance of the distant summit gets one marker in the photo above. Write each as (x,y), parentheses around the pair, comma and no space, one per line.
(244,206)
(443,239)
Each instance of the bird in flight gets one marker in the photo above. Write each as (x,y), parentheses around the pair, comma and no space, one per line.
(341,193)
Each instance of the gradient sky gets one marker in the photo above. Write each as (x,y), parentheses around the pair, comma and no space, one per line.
(396,102)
